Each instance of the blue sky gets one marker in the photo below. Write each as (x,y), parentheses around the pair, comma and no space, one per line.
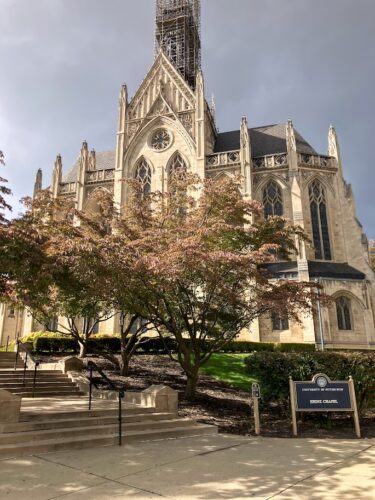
(63,62)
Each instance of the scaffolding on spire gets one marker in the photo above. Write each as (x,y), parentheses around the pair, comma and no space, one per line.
(177,33)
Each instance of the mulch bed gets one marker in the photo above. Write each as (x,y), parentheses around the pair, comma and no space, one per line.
(227,407)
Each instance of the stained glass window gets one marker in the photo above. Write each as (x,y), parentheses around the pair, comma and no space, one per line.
(177,167)
(143,174)
(272,200)
(319,221)
(279,322)
(344,316)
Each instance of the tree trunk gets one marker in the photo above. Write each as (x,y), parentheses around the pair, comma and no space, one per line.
(82,350)
(124,364)
(191,385)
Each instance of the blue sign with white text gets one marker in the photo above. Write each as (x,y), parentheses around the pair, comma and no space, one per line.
(323,395)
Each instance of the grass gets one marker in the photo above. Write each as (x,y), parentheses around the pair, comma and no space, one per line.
(229,368)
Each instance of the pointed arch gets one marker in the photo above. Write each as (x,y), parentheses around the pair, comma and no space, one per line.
(143,174)
(177,165)
(319,220)
(272,198)
(344,313)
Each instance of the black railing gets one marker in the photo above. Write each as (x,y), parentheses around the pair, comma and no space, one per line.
(28,357)
(121,393)
(6,346)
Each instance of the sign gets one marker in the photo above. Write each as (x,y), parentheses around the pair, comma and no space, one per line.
(255,391)
(322,394)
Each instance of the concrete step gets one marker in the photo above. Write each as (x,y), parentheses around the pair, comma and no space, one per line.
(39,383)
(50,394)
(9,371)
(55,388)
(27,416)
(97,430)
(5,364)
(30,376)
(21,427)
(52,445)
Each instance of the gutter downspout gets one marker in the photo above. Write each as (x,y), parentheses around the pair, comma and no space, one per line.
(321,332)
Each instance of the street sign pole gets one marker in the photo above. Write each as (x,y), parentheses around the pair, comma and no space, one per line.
(293,406)
(355,407)
(255,393)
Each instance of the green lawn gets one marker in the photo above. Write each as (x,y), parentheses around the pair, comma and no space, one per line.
(229,368)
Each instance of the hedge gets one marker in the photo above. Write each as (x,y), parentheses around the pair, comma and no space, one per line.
(54,343)
(57,343)
(273,369)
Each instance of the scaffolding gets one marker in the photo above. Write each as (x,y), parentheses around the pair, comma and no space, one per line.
(178,35)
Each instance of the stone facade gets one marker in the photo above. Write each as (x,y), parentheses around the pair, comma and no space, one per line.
(168,120)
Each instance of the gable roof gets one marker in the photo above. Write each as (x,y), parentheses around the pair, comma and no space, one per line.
(317,269)
(267,140)
(105,160)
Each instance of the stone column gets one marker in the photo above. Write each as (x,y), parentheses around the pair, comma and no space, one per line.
(38,182)
(200,126)
(81,175)
(246,160)
(298,219)
(56,177)
(121,147)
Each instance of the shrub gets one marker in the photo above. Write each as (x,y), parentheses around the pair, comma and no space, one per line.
(273,370)
(110,343)
(245,346)
(56,343)
(155,345)
(294,347)
(52,343)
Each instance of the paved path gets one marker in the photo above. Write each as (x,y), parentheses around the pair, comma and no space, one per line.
(209,468)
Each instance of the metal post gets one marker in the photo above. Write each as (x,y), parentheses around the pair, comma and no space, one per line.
(90,390)
(17,354)
(8,338)
(119,418)
(355,407)
(293,406)
(256,416)
(322,347)
(34,381)
(24,370)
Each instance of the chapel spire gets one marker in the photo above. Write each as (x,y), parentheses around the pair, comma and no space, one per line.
(177,33)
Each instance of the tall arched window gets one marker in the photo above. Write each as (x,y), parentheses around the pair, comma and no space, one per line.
(272,200)
(344,313)
(319,221)
(177,167)
(143,174)
(53,324)
(279,322)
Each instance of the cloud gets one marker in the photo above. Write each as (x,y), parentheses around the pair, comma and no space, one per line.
(63,62)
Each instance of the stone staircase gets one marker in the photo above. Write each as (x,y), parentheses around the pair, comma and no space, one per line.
(8,359)
(55,416)
(49,383)
(50,431)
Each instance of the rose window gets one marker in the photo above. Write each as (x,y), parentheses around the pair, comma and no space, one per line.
(160,140)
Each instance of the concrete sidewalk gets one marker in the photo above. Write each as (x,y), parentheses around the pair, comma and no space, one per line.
(212,468)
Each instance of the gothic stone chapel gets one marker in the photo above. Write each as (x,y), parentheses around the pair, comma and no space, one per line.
(168,124)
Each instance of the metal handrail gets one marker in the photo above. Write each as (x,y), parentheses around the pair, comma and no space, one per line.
(6,345)
(121,393)
(26,350)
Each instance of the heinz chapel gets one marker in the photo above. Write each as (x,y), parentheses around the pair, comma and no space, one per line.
(168,124)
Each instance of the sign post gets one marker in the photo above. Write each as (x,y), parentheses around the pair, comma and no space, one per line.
(323,395)
(255,394)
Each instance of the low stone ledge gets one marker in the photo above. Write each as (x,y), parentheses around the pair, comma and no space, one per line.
(10,407)
(161,397)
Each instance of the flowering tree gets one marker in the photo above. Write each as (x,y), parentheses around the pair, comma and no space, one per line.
(194,270)
(4,191)
(46,274)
